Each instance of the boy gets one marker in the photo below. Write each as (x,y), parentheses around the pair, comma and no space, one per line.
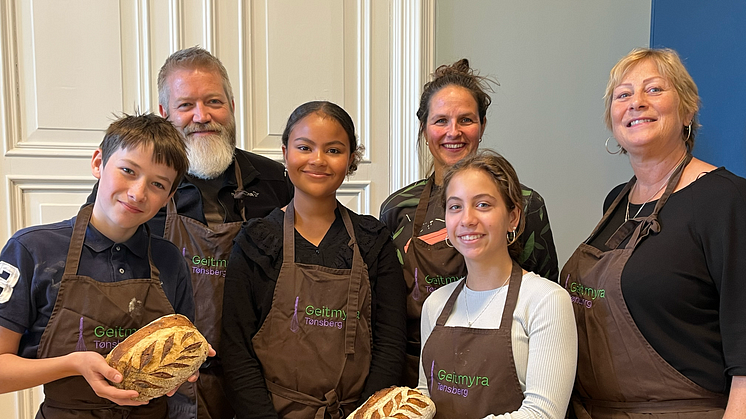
(71,291)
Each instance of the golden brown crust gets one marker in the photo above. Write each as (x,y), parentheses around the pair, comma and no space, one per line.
(159,356)
(396,402)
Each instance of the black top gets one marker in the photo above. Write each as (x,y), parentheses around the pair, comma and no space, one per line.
(253,269)
(265,184)
(35,256)
(685,287)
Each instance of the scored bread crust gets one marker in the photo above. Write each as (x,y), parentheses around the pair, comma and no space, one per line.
(396,402)
(159,356)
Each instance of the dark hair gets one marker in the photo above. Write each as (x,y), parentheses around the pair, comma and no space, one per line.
(506,179)
(456,74)
(191,58)
(335,112)
(132,131)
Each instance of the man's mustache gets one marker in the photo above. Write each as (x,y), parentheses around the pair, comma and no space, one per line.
(210,126)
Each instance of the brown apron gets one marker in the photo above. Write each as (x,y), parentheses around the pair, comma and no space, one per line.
(471,371)
(206,250)
(315,344)
(426,268)
(95,316)
(619,374)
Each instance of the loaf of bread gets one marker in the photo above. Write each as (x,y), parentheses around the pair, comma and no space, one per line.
(159,357)
(396,402)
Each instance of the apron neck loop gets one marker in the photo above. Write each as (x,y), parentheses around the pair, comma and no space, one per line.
(356,273)
(641,227)
(75,250)
(77,240)
(446,312)
(514,286)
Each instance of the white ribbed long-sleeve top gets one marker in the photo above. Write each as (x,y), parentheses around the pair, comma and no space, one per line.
(544,339)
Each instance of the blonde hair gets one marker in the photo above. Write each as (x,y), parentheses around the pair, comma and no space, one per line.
(672,69)
(191,59)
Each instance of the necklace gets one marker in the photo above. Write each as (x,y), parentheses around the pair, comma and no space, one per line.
(466,300)
(626,214)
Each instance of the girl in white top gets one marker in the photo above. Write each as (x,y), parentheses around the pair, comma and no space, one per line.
(462,353)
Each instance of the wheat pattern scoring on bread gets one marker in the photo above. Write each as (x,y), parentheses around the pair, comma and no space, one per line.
(397,403)
(159,357)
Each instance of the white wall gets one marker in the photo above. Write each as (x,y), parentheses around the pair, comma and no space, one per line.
(552,59)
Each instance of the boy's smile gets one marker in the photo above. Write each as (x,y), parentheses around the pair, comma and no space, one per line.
(132,188)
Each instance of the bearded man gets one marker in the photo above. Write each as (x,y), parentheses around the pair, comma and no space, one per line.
(224,187)
(195,94)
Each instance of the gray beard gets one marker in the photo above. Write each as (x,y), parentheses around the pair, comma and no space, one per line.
(210,156)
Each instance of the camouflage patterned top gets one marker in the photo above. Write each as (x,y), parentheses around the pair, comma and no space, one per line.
(539,254)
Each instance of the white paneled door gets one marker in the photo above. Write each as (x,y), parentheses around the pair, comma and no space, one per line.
(69,67)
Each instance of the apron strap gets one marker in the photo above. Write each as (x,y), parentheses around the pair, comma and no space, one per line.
(77,239)
(610,211)
(672,183)
(356,276)
(288,234)
(653,406)
(649,223)
(154,272)
(171,207)
(240,193)
(511,300)
(170,214)
(331,403)
(448,308)
(419,215)
(514,286)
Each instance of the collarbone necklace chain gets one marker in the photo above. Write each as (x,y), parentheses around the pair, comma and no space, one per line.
(668,178)
(494,294)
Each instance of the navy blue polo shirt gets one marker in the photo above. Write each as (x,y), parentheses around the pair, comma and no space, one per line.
(33,261)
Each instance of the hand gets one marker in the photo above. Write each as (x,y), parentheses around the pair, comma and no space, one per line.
(193,378)
(93,367)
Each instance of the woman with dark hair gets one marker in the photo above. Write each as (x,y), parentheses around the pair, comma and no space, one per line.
(313,314)
(501,342)
(658,286)
(452,114)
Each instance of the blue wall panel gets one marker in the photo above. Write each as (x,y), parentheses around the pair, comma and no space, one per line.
(710,36)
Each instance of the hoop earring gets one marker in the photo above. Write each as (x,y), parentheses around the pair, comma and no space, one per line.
(512,237)
(618,150)
(448,242)
(480,140)
(689,132)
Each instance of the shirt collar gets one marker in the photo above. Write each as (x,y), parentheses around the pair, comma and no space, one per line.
(137,244)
